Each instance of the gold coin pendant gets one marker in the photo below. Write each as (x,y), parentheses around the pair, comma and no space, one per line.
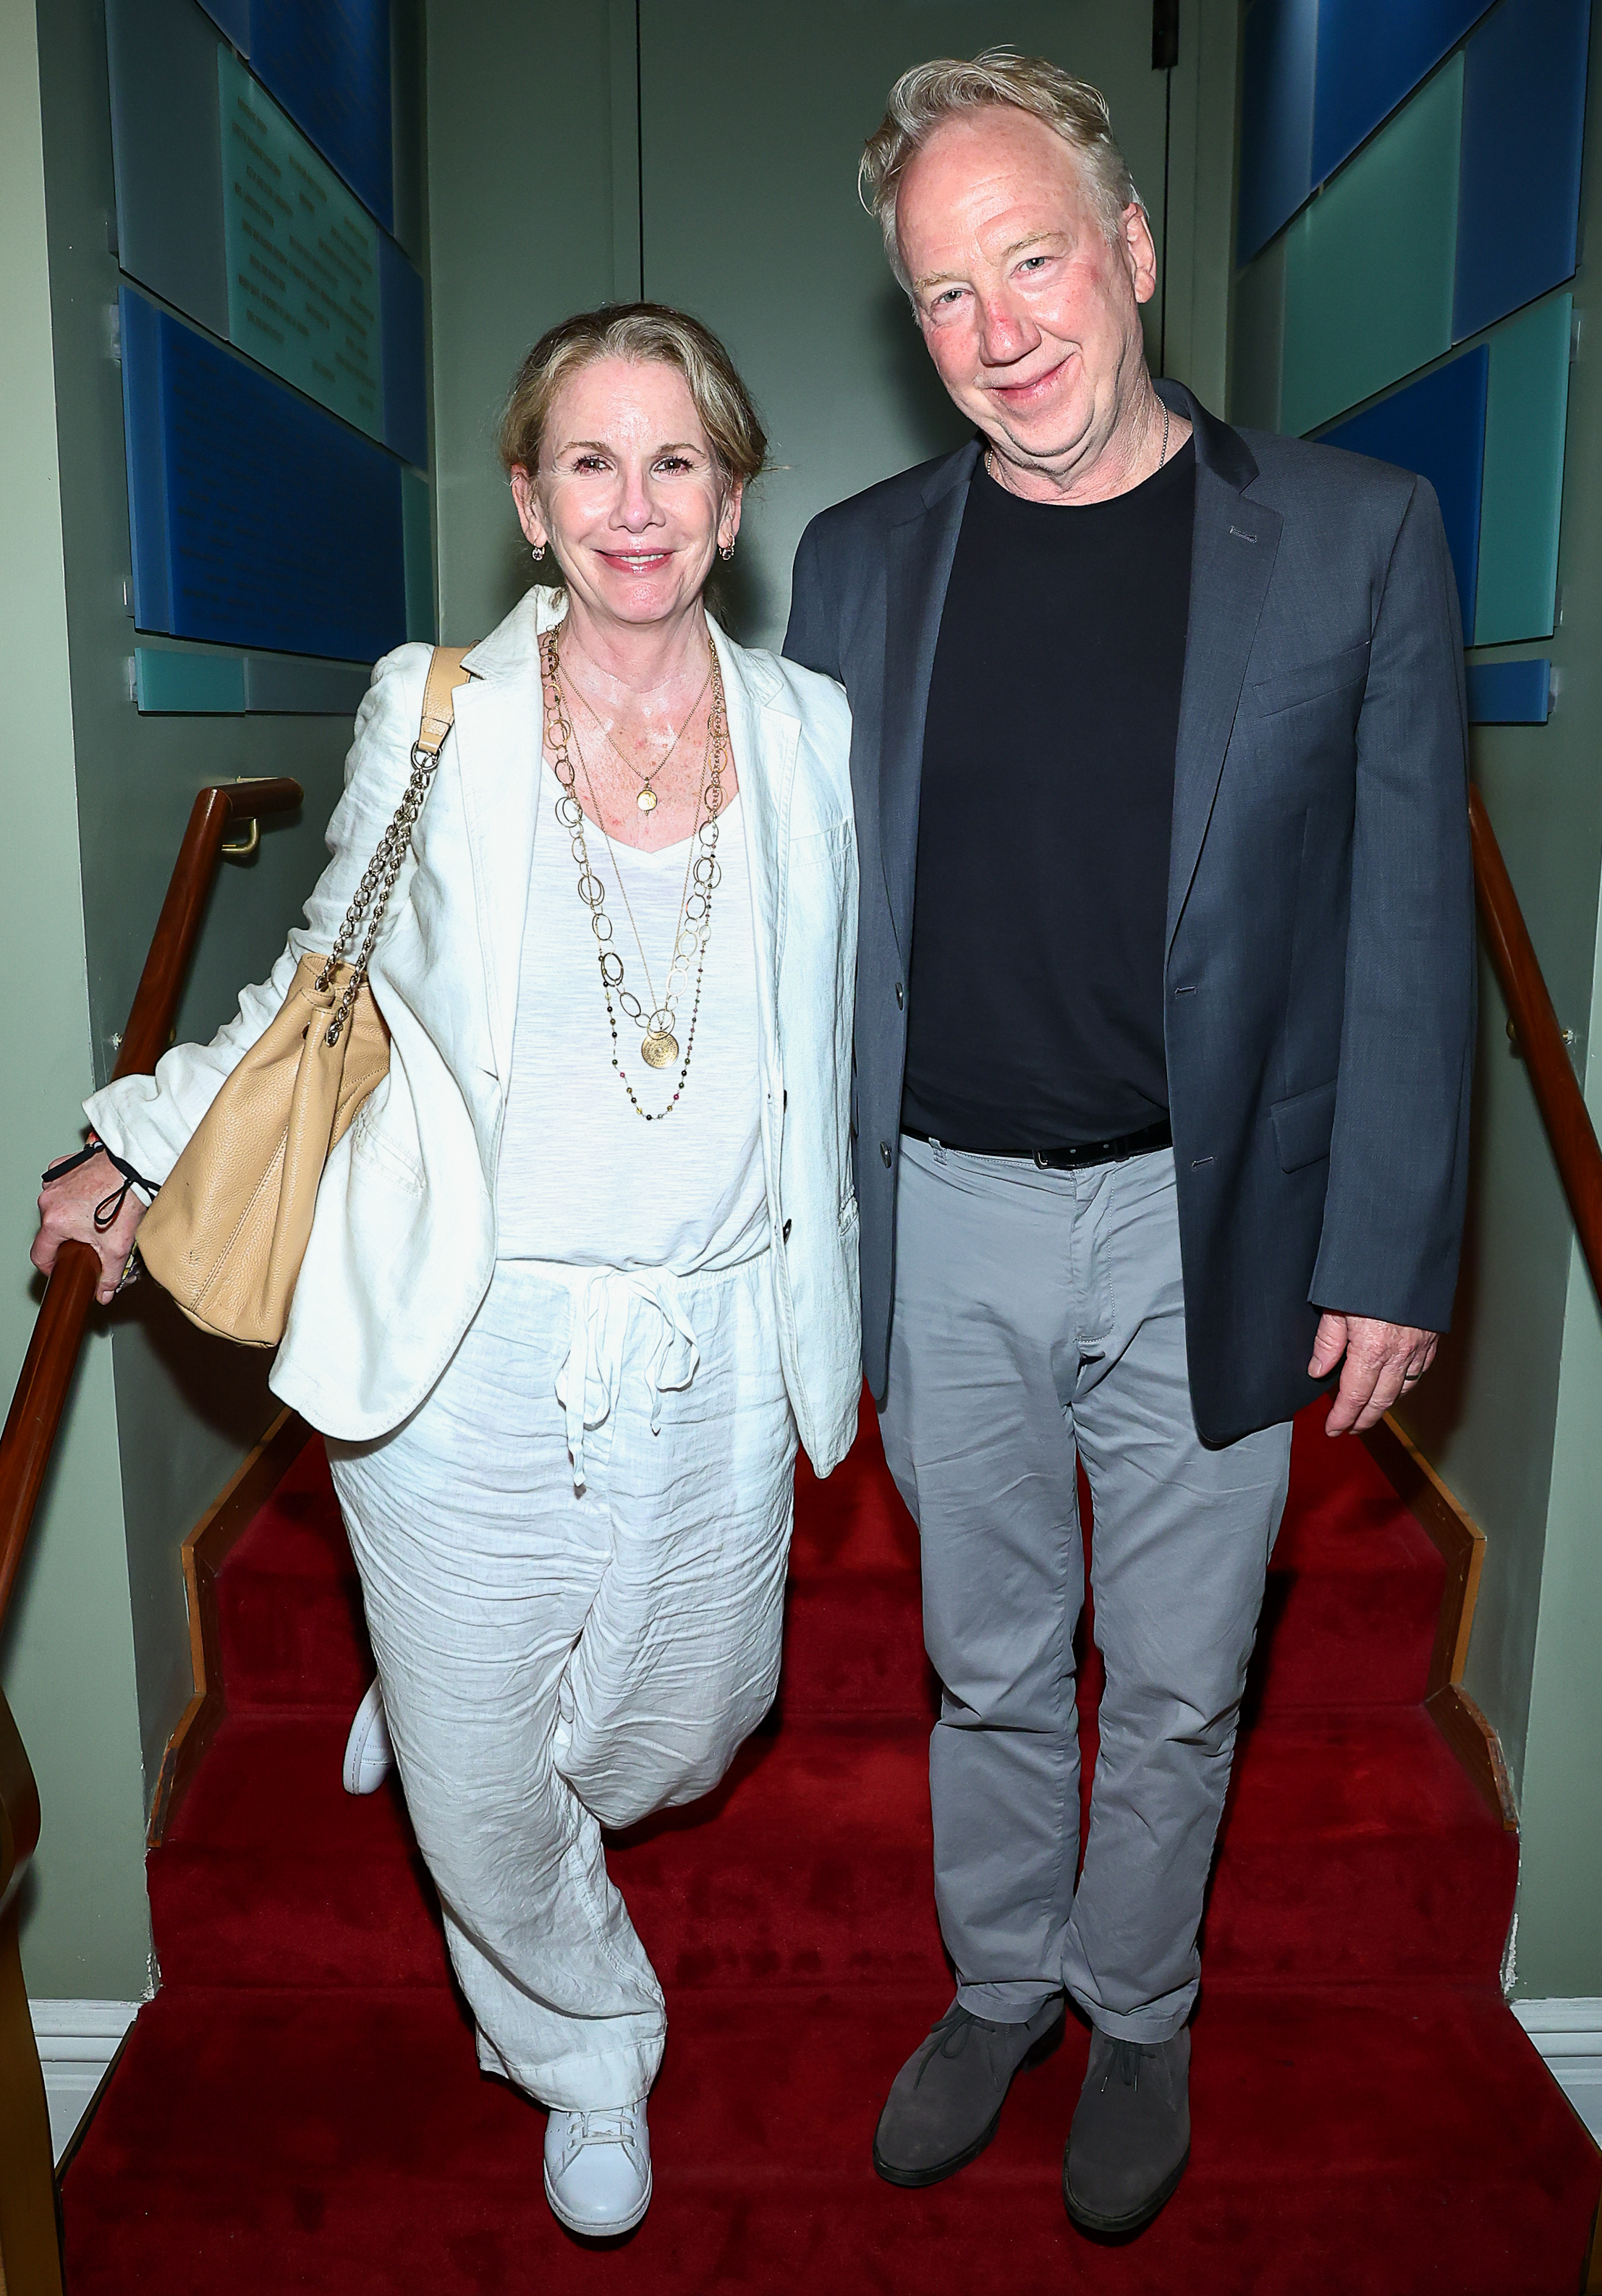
(660,1047)
(646,800)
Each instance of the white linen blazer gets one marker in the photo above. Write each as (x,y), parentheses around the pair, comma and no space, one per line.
(404,1242)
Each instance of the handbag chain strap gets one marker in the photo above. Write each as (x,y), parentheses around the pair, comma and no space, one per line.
(372,896)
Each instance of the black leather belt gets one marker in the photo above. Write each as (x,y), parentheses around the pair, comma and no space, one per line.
(1068,1159)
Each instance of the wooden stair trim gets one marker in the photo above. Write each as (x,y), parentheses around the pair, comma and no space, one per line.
(1460,1543)
(203,1554)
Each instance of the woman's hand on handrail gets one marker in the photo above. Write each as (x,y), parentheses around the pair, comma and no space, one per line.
(66,1208)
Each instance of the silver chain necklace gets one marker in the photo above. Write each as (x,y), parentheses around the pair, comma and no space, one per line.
(658,1046)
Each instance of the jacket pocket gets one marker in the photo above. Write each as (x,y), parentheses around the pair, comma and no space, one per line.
(1313,680)
(1302,1124)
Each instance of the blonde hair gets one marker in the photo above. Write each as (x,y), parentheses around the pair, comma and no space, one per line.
(642,331)
(930,94)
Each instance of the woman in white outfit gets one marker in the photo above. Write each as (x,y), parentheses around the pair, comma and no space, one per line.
(586,1260)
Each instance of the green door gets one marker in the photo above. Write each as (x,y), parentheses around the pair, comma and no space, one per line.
(751,121)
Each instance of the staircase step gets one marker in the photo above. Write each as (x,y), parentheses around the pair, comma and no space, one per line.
(1351,1627)
(1353,1847)
(1356,1850)
(1347,1624)
(290,1630)
(854,1645)
(272,1874)
(854,1520)
(288,1641)
(1353,1593)
(1341,2143)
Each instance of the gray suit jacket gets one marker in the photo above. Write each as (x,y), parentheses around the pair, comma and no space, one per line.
(1318,983)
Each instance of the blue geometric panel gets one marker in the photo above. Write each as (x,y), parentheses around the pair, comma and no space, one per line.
(1368,300)
(1277,118)
(209,684)
(257,519)
(1436,427)
(1526,418)
(327,61)
(400,318)
(139,339)
(1524,123)
(162,55)
(420,622)
(1509,692)
(1371,54)
(232,20)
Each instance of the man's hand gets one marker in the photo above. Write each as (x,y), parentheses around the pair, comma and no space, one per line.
(1382,1362)
(67,1216)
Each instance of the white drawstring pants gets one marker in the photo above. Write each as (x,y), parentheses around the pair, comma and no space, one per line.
(573,1559)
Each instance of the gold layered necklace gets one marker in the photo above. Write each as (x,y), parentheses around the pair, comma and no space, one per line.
(660,1045)
(647,801)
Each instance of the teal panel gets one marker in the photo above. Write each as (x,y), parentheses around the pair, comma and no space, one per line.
(417,530)
(207,685)
(1526,410)
(1257,346)
(1370,266)
(294,685)
(303,283)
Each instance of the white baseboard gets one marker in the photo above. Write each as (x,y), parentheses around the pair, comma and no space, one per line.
(1568,2033)
(76,2041)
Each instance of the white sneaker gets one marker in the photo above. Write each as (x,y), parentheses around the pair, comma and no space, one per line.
(369,1757)
(597,2169)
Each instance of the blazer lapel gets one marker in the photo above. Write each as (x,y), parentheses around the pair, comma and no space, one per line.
(498,739)
(919,568)
(1232,558)
(765,739)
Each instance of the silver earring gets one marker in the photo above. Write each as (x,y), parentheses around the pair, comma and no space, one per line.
(538,551)
(726,550)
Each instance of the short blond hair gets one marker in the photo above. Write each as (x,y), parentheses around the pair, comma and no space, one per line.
(930,94)
(645,333)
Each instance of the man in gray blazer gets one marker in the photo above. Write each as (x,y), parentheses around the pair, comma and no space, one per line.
(1163,1042)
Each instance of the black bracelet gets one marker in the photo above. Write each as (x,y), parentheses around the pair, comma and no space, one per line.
(108,1210)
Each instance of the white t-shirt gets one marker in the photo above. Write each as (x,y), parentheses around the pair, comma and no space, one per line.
(583,1178)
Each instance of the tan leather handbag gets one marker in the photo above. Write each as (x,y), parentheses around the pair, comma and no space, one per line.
(229,1228)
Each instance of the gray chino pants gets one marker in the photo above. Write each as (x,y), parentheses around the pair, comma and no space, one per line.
(1038,1314)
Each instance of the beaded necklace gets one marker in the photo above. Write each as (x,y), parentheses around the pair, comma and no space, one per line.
(658,1046)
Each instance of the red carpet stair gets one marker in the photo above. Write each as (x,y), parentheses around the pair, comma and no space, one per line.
(299,2108)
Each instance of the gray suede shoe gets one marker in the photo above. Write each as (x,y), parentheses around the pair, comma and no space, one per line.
(1131,2133)
(944,2104)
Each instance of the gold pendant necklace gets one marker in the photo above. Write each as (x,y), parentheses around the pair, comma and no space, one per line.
(647,801)
(659,1045)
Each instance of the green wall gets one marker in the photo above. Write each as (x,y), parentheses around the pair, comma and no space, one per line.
(1513,1416)
(1510,1414)
(750,134)
(66,1654)
(533,213)
(97,1659)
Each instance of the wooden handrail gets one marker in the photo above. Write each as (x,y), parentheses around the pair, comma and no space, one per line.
(30,2254)
(46,1374)
(1552,1078)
